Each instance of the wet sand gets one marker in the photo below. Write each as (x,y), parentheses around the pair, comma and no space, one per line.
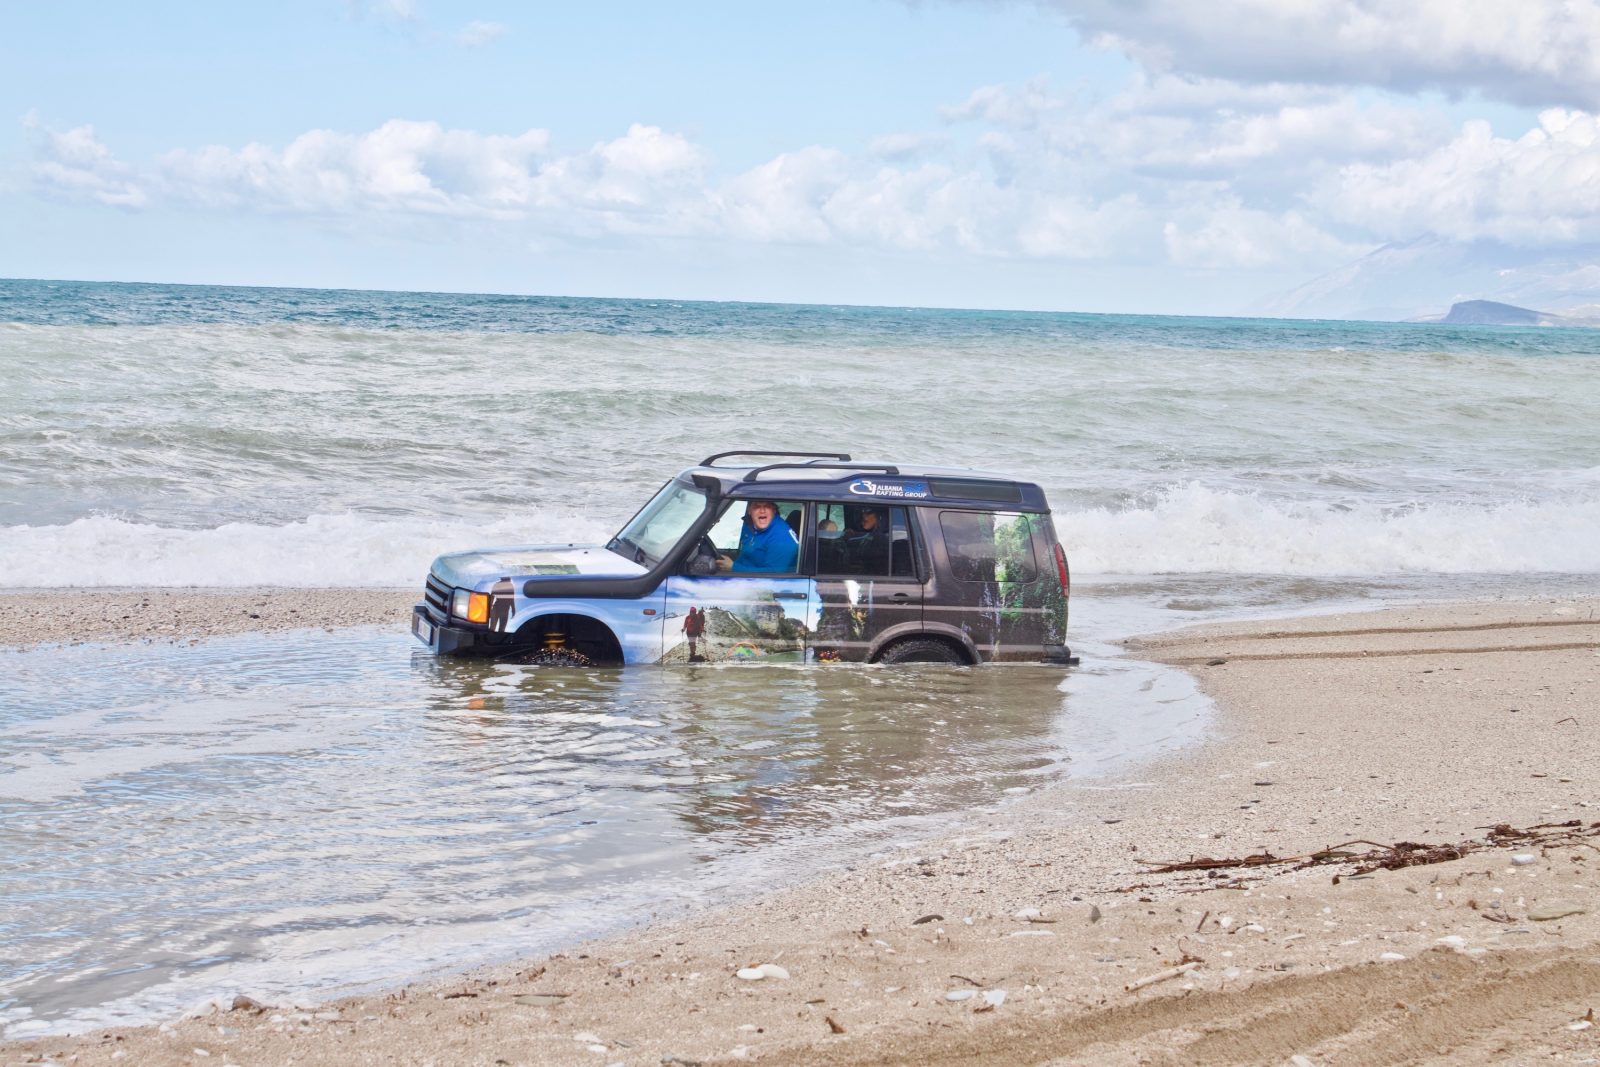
(1418,725)
(71,616)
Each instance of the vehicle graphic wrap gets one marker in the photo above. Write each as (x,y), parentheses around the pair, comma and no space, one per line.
(853,613)
(737,619)
(1004,594)
(636,623)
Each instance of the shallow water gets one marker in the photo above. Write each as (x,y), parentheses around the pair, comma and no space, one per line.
(306,812)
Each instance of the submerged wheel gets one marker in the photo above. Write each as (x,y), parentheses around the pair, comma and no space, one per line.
(922,650)
(548,657)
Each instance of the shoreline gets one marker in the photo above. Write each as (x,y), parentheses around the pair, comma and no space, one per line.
(33,617)
(1330,728)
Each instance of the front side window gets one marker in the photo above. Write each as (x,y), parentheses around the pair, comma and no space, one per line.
(759,537)
(863,541)
(986,546)
(660,525)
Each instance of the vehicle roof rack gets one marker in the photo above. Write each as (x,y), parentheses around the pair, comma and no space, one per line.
(879,468)
(710,461)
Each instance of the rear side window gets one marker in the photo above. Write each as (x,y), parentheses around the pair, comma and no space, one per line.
(863,541)
(989,546)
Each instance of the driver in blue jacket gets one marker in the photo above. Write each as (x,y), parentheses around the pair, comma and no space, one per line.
(766,544)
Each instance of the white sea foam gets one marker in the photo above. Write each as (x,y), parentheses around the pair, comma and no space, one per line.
(1188,529)
(1195,529)
(322,550)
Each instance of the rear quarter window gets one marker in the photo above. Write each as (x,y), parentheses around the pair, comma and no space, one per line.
(989,546)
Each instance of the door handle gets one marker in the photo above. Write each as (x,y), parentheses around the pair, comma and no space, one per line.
(900,596)
(788,596)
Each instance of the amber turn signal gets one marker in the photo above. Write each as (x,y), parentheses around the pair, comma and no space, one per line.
(478,607)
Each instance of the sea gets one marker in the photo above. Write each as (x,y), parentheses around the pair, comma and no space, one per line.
(297,815)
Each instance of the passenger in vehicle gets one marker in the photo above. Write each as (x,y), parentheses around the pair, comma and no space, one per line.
(766,546)
(866,542)
(868,521)
(830,547)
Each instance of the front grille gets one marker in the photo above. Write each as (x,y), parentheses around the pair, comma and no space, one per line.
(437,594)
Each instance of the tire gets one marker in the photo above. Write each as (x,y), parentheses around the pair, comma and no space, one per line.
(548,657)
(923,650)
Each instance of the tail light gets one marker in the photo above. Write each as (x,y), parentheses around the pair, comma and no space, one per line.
(1061,570)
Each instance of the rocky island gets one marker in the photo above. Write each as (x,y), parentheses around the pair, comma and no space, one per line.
(1492,313)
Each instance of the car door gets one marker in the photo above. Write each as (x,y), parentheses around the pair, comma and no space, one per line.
(740,617)
(992,585)
(868,590)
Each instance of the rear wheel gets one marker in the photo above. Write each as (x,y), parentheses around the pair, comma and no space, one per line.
(923,650)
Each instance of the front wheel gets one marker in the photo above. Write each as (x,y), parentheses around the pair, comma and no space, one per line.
(922,650)
(548,657)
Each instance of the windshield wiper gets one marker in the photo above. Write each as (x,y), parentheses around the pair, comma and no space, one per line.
(634,553)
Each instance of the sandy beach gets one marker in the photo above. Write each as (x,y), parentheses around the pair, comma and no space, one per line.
(1048,932)
(70,616)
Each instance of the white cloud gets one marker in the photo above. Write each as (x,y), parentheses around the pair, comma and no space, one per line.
(1539,189)
(819,196)
(999,105)
(1150,175)
(1533,52)
(75,165)
(784,199)
(923,209)
(1035,189)
(903,146)
(476,34)
(388,10)
(1078,228)
(1293,138)
(401,166)
(1196,129)
(1225,234)
(648,181)
(1166,93)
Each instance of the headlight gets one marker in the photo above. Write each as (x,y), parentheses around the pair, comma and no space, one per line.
(474,607)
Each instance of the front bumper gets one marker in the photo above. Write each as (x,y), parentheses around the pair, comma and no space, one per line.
(441,637)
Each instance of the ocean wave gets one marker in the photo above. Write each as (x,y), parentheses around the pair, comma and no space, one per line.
(1184,529)
(1197,529)
(322,550)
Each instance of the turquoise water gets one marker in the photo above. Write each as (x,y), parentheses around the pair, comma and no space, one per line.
(214,435)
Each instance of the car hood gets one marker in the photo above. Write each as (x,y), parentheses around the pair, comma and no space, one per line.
(467,569)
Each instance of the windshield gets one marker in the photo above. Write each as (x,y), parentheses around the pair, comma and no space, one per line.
(660,524)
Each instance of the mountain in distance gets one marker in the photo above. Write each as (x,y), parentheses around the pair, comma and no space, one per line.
(1491,313)
(1420,280)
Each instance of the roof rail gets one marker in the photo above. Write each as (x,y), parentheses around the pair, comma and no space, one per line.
(880,468)
(711,460)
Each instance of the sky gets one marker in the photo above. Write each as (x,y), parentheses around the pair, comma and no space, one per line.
(1080,155)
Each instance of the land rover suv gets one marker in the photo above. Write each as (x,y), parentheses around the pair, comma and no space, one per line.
(872,562)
